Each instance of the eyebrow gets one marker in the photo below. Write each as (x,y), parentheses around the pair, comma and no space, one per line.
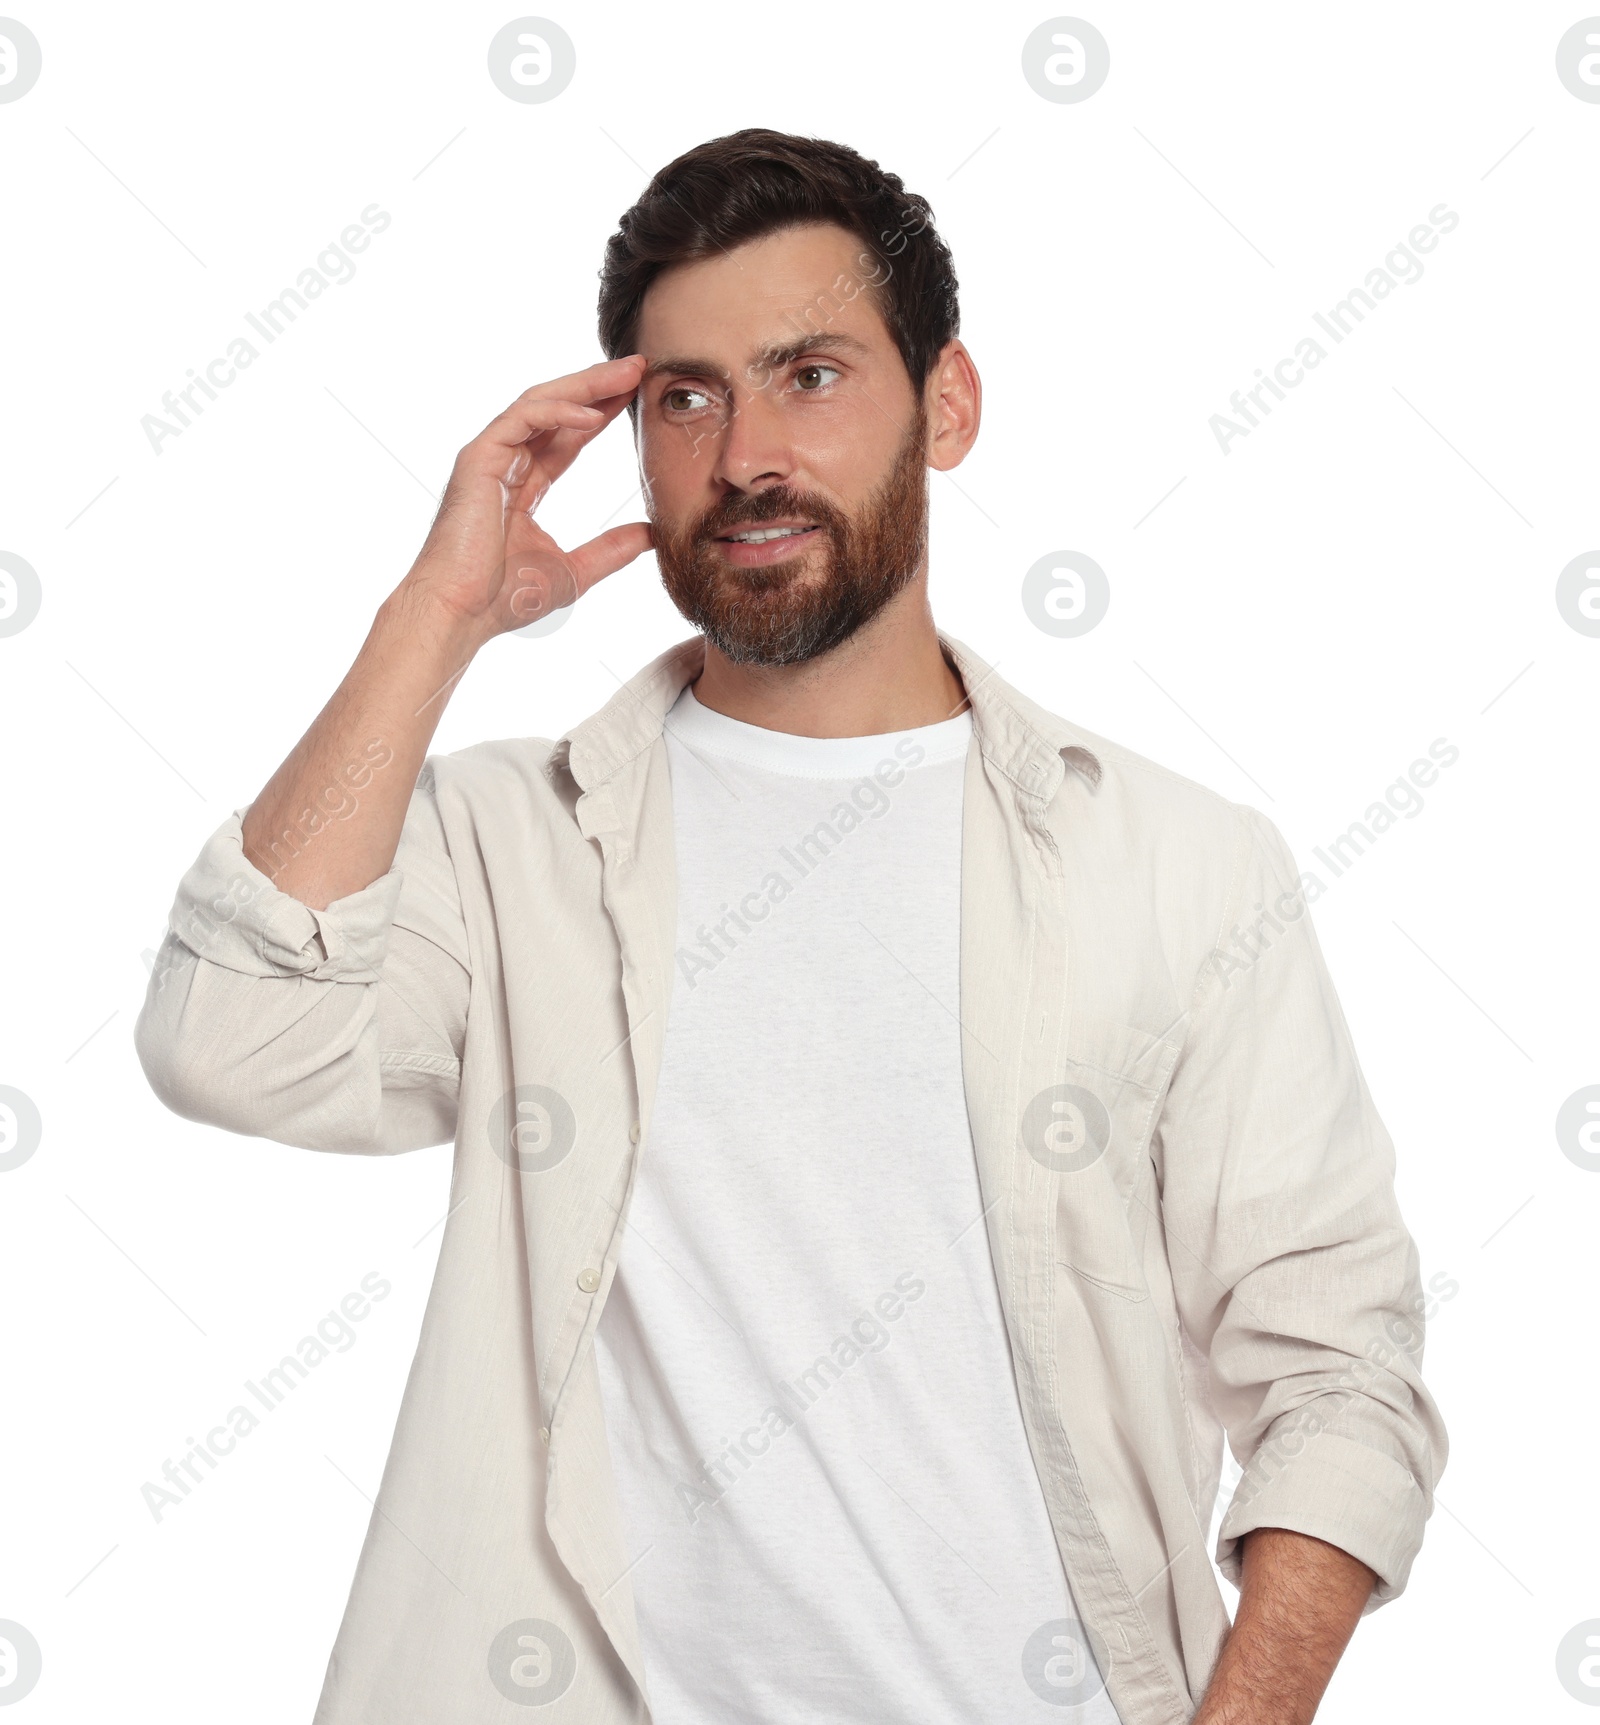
(774,354)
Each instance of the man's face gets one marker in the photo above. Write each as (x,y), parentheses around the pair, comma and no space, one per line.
(774,397)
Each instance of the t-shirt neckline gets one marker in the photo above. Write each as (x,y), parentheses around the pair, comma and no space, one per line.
(702,728)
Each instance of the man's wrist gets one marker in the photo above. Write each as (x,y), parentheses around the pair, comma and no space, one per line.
(414,618)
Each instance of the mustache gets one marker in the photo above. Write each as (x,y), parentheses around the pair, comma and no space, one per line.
(764,506)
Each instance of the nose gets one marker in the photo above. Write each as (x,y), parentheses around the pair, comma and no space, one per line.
(754,451)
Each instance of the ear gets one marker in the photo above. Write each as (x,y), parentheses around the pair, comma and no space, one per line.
(953,397)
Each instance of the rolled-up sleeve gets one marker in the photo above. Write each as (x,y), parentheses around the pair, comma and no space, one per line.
(1293,1269)
(336,1029)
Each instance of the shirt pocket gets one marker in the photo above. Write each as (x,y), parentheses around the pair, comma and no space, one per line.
(1091,1127)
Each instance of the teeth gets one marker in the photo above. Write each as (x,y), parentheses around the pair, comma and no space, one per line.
(757,534)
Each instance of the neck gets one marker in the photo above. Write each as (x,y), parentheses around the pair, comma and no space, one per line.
(891,675)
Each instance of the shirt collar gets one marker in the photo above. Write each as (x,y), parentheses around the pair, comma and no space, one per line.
(1030,746)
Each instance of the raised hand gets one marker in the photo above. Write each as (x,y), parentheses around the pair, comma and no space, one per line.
(486,560)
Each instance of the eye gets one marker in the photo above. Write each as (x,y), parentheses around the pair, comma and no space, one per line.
(670,399)
(811,371)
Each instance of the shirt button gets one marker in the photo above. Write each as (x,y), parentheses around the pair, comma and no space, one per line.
(544,1434)
(588,1280)
(633,1133)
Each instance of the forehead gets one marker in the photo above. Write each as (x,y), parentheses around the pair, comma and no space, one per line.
(733,305)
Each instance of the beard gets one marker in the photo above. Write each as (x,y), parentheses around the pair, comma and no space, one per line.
(799,608)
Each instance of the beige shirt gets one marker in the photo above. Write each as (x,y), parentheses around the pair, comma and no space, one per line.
(1188,1193)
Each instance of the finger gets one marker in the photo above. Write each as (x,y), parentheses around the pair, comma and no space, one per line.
(605,376)
(552,456)
(609,551)
(485,460)
(590,387)
(568,441)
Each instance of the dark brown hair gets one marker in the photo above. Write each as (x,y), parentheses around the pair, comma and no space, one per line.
(755,182)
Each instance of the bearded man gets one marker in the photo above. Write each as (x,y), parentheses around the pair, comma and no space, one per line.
(899,1134)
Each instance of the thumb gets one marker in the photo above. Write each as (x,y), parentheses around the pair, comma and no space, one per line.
(609,551)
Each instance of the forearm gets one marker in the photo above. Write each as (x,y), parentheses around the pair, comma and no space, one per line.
(485,568)
(328,822)
(1299,1600)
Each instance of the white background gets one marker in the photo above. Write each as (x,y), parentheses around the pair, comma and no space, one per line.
(1373,568)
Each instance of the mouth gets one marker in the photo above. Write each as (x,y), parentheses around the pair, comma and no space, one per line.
(770,542)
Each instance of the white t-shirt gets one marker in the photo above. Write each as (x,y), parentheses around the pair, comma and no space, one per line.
(830,1505)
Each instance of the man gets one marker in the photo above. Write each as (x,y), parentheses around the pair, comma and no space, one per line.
(896,1130)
